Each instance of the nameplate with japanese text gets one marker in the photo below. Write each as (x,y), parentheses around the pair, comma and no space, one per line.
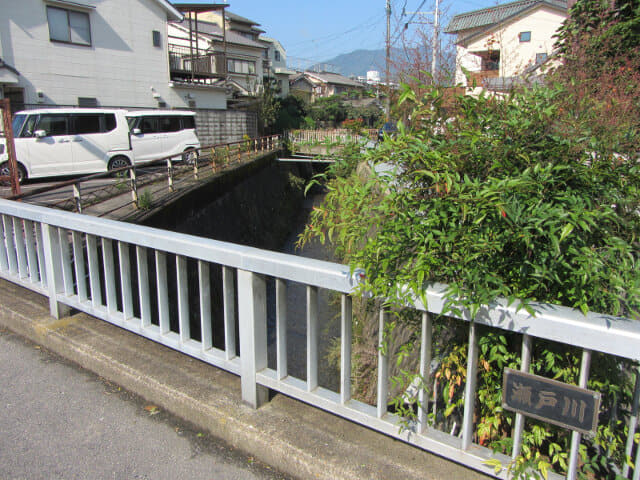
(551,401)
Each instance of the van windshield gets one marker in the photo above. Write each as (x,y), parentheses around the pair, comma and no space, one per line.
(18,122)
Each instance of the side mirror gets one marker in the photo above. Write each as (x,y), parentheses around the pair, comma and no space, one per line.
(40,133)
(136,131)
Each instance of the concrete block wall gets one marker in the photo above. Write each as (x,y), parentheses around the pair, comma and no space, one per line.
(222,126)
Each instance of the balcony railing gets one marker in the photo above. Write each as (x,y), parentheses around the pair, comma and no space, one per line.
(480,76)
(186,63)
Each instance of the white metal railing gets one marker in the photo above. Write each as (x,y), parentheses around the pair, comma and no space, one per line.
(337,135)
(121,273)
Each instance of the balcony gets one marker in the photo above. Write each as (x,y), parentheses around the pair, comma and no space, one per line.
(192,65)
(479,77)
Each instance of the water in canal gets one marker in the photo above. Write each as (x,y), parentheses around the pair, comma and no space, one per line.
(328,310)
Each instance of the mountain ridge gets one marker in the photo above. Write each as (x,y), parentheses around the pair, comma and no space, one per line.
(356,63)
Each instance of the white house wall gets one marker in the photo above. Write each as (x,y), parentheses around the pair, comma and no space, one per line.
(120,68)
(515,56)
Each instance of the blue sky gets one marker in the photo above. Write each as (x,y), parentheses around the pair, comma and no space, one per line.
(315,31)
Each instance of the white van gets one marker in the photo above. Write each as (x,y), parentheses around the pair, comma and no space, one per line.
(68,141)
(160,133)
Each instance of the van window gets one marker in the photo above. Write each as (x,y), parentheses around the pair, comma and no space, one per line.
(149,125)
(170,124)
(132,121)
(54,124)
(84,123)
(188,122)
(29,126)
(17,123)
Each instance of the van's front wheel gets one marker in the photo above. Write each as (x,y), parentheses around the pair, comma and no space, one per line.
(118,162)
(5,171)
(189,156)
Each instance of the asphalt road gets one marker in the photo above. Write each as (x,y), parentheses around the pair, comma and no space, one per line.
(59,421)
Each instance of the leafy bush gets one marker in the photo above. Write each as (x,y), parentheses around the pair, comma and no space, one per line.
(514,197)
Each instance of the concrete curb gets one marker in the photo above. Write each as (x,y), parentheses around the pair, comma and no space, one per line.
(298,439)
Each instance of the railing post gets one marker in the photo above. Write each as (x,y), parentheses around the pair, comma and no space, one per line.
(195,166)
(633,422)
(213,159)
(525,363)
(77,195)
(383,366)
(53,264)
(470,387)
(576,437)
(252,313)
(170,174)
(134,185)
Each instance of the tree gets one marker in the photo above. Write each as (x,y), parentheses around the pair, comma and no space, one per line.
(267,107)
(291,113)
(329,110)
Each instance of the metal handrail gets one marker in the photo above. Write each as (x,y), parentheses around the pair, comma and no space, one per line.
(48,250)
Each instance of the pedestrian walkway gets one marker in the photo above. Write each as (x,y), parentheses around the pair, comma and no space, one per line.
(59,421)
(299,440)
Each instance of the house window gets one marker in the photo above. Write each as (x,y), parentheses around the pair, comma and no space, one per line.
(157,40)
(246,67)
(540,58)
(69,26)
(87,102)
(524,37)
(277,55)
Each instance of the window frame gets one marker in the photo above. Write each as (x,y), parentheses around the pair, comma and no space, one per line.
(541,58)
(524,37)
(241,61)
(67,12)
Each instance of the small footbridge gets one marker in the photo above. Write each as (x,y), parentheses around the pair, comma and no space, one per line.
(209,300)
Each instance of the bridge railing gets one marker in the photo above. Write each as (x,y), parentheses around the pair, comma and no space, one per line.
(199,296)
(338,135)
(196,163)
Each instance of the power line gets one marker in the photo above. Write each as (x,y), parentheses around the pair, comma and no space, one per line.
(367,23)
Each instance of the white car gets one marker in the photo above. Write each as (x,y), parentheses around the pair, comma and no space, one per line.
(160,133)
(68,141)
(77,141)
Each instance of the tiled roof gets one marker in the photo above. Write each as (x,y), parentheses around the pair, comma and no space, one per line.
(237,18)
(497,14)
(334,78)
(214,30)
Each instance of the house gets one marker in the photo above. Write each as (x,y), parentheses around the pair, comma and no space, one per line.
(92,53)
(498,45)
(311,85)
(206,51)
(212,57)
(275,65)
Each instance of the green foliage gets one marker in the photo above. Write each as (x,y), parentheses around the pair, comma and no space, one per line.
(602,30)
(328,110)
(290,114)
(145,200)
(267,106)
(496,201)
(517,197)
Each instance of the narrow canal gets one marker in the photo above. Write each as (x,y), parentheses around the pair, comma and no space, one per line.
(265,210)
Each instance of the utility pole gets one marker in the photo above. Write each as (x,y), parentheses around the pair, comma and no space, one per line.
(388,60)
(435,44)
(435,49)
